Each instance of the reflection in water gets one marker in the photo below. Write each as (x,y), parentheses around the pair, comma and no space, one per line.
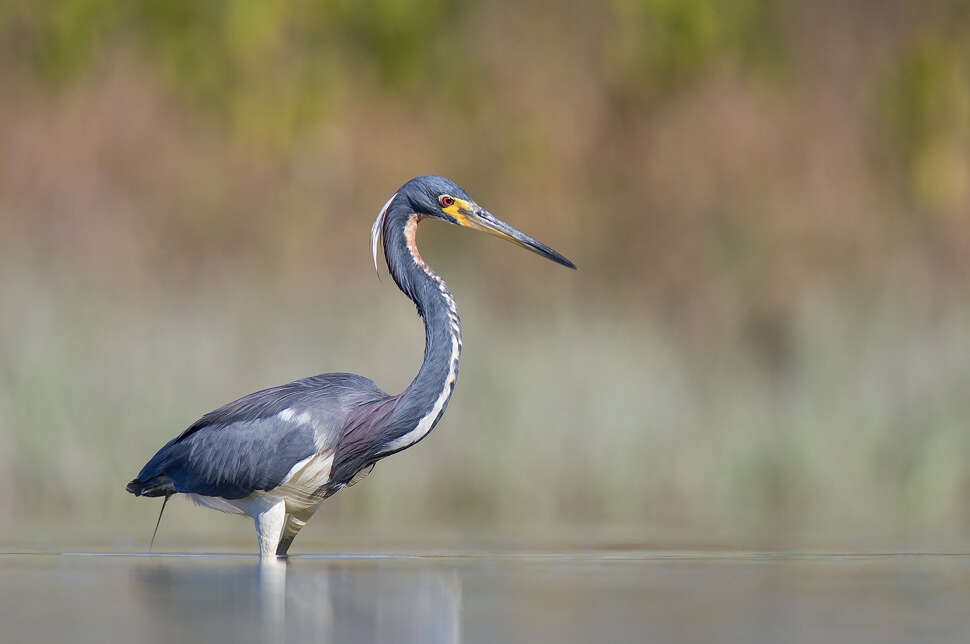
(338,601)
(272,598)
(567,598)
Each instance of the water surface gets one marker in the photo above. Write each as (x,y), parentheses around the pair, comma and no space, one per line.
(586,596)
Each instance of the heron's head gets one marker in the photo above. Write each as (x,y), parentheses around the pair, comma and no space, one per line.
(441,198)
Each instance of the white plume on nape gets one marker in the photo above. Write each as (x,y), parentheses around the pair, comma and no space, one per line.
(377,229)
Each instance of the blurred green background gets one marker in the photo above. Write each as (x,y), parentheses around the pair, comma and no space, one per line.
(768,338)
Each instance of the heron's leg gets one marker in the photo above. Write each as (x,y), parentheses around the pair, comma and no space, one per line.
(294,523)
(269,527)
(291,528)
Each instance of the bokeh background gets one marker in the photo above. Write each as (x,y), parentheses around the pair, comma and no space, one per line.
(768,339)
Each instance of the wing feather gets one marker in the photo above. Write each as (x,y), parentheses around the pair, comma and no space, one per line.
(252,443)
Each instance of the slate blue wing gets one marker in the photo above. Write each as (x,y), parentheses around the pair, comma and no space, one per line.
(252,443)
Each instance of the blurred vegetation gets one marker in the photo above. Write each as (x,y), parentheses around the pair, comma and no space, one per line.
(927,106)
(267,69)
(768,202)
(661,45)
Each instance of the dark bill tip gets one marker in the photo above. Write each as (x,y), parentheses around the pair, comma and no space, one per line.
(548,253)
(489,222)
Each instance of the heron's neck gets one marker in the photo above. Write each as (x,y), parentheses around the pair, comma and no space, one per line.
(421,405)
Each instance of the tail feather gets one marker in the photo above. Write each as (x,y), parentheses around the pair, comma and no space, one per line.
(160,485)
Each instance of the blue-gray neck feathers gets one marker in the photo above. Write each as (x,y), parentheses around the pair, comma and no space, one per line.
(421,405)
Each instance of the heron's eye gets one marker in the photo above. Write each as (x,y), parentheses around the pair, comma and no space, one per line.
(446,201)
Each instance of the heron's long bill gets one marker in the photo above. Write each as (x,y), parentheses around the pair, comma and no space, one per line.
(483,220)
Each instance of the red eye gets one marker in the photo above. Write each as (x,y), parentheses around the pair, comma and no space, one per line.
(446,201)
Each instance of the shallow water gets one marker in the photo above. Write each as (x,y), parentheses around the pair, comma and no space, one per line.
(588,596)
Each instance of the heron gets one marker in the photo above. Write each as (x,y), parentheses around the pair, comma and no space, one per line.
(277,454)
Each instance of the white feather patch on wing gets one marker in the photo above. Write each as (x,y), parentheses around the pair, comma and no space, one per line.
(377,229)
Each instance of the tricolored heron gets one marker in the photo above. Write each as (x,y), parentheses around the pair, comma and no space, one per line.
(276,454)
